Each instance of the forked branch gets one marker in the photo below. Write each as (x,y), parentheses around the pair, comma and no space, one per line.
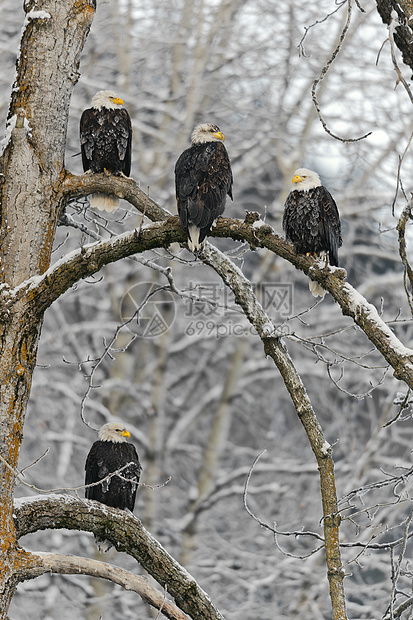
(126,533)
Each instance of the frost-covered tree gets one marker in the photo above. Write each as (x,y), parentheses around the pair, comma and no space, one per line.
(202,398)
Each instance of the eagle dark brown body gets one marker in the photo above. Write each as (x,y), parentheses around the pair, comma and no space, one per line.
(104,458)
(312,223)
(112,453)
(105,140)
(203,179)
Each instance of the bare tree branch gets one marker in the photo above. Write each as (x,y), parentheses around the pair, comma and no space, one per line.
(275,348)
(125,532)
(89,259)
(75,565)
(408,271)
(74,186)
(324,73)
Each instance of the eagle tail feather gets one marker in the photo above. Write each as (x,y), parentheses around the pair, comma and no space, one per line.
(194,244)
(104,202)
(316,289)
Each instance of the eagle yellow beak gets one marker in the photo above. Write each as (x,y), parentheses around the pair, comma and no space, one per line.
(296,179)
(219,135)
(125,433)
(117,100)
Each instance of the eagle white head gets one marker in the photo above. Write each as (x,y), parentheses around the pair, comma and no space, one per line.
(207,133)
(106,99)
(114,431)
(304,179)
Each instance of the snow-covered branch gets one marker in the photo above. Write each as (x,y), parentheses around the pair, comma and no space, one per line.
(126,533)
(82,185)
(166,230)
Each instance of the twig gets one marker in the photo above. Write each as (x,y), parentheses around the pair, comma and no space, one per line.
(394,23)
(408,272)
(163,602)
(317,21)
(403,406)
(272,529)
(399,167)
(116,473)
(322,76)
(397,568)
(358,396)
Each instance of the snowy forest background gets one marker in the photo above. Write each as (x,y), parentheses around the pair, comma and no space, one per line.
(200,399)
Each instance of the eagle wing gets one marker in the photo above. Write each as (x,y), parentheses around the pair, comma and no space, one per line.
(95,471)
(88,128)
(329,224)
(123,125)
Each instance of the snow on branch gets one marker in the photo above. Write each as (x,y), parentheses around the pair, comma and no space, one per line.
(352,303)
(166,230)
(75,186)
(89,259)
(126,533)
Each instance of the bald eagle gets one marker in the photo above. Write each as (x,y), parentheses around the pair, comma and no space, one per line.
(203,178)
(106,142)
(311,220)
(112,453)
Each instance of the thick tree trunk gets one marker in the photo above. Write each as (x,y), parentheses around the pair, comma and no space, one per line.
(32,166)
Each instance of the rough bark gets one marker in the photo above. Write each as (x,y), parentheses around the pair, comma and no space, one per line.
(31,166)
(408,271)
(126,533)
(33,162)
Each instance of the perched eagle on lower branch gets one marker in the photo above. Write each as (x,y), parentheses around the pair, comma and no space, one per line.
(106,142)
(112,453)
(311,220)
(203,178)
